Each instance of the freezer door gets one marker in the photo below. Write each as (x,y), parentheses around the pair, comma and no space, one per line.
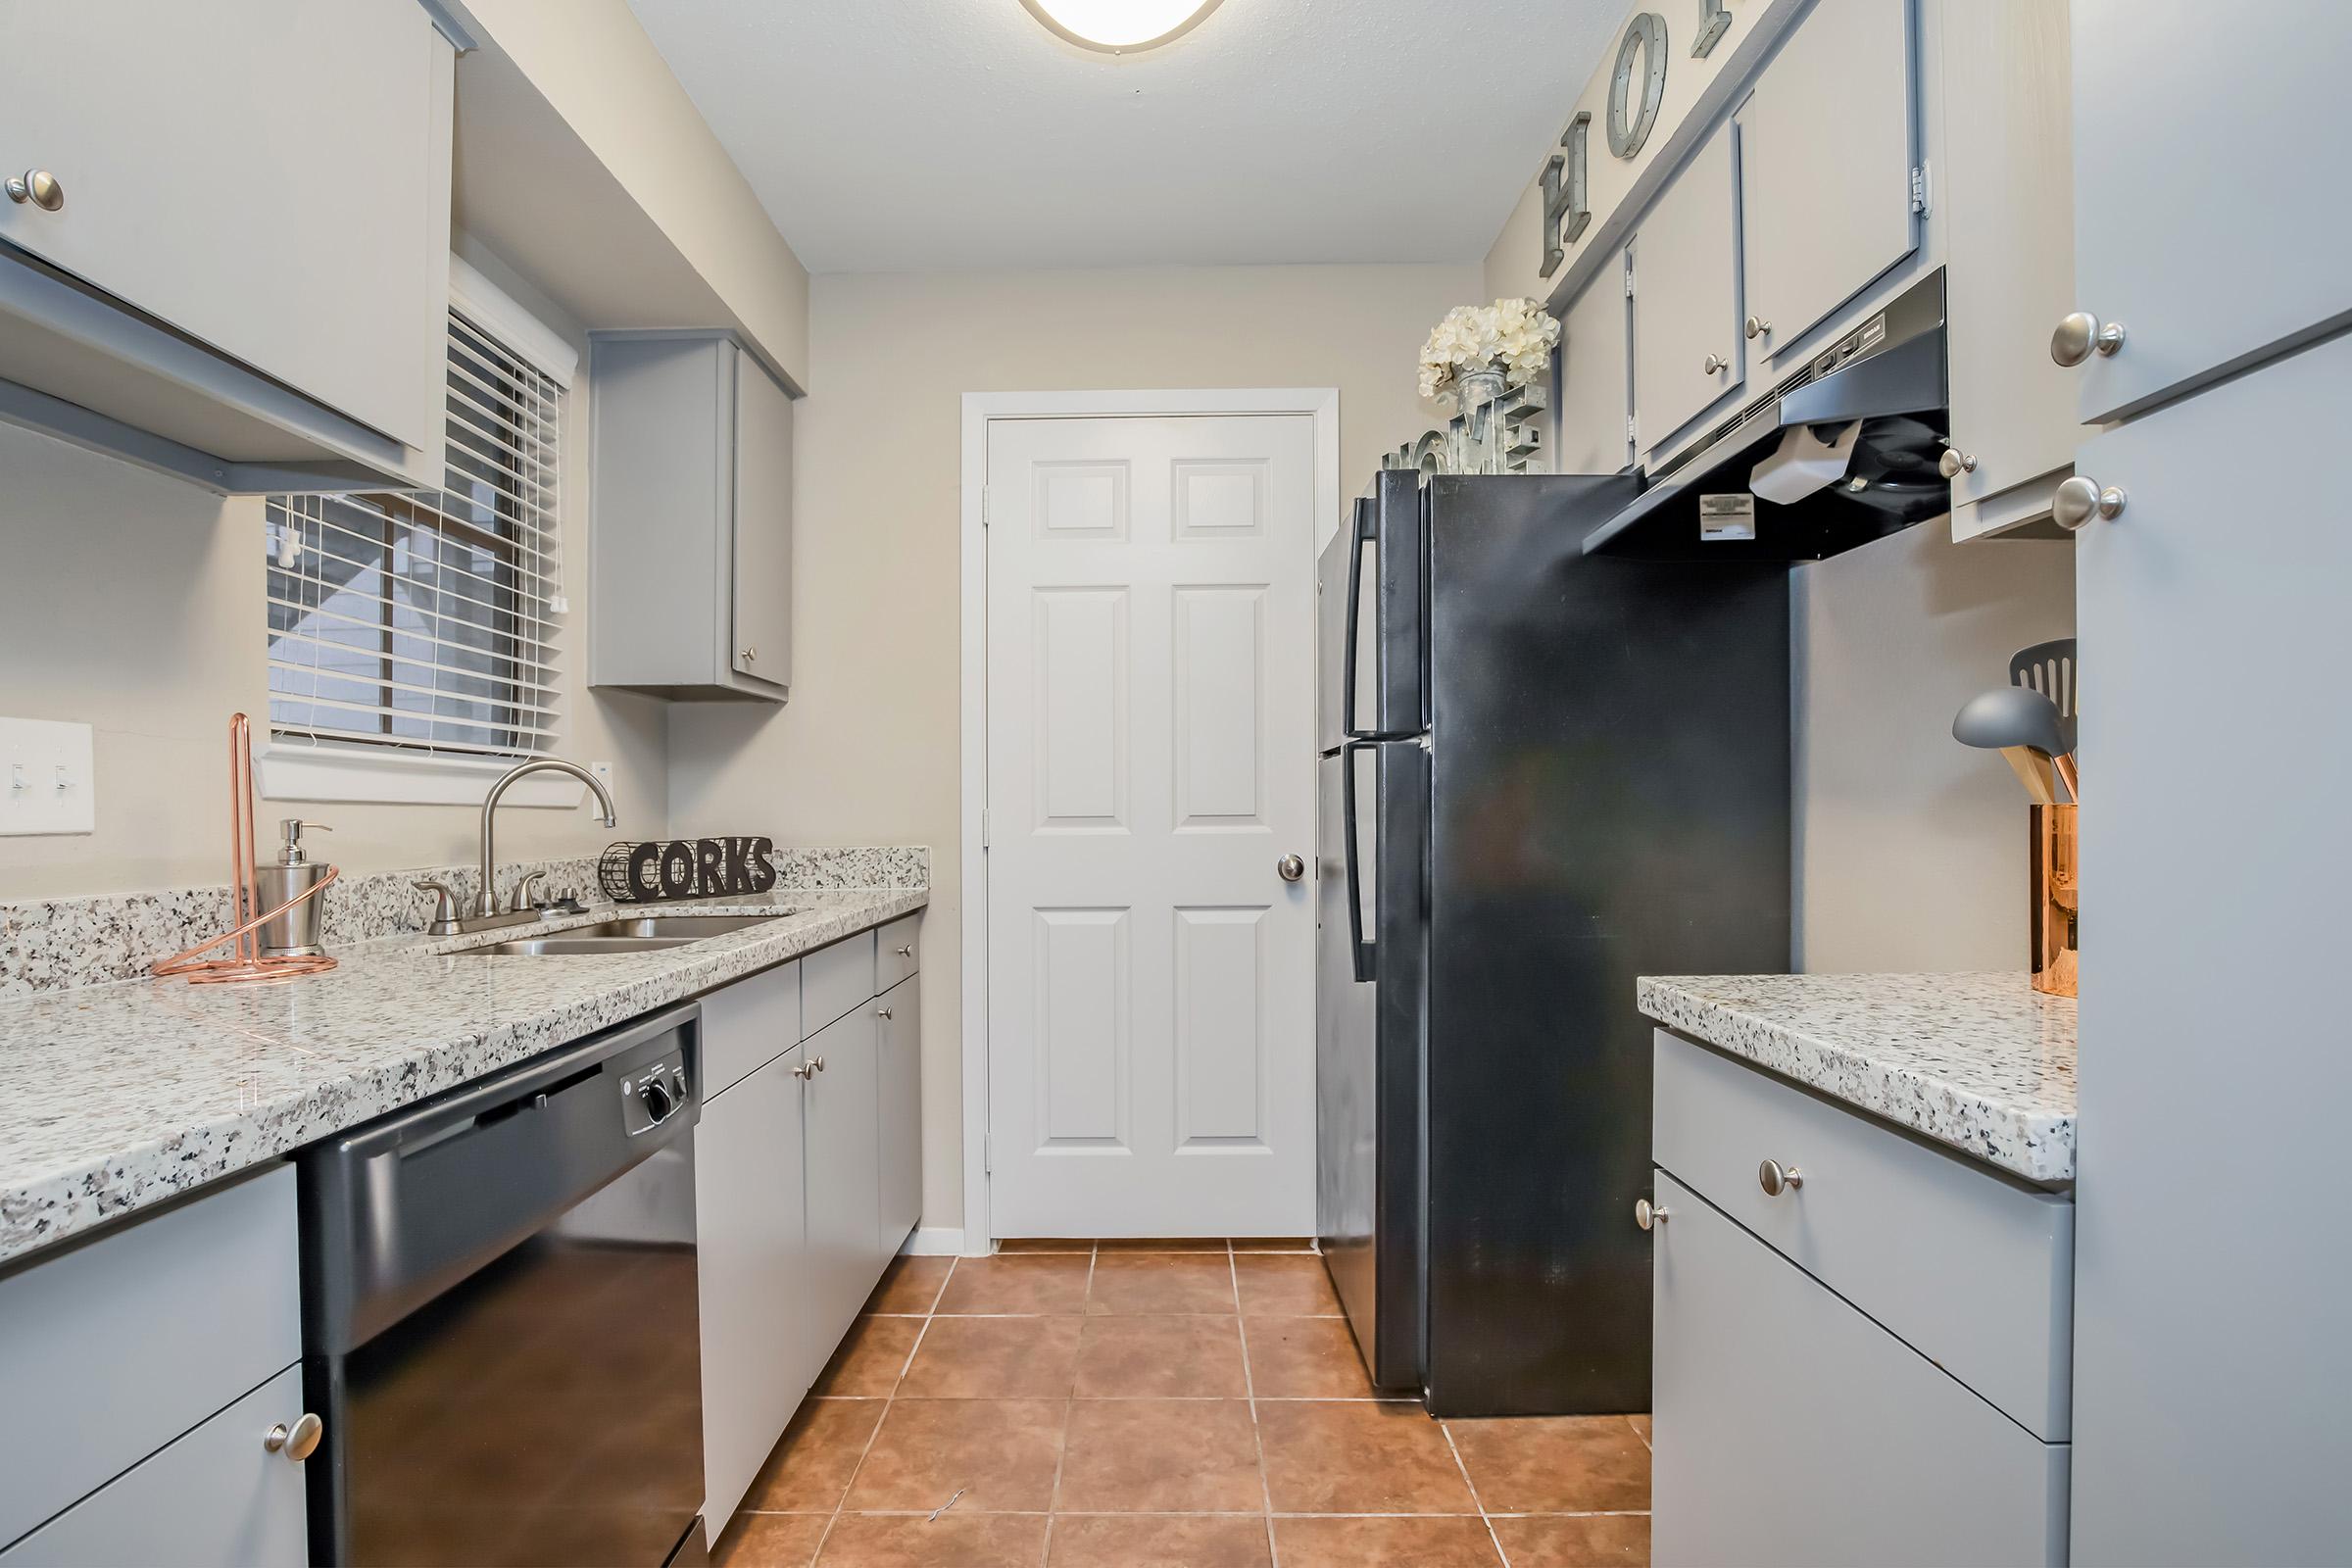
(1370,596)
(1370,963)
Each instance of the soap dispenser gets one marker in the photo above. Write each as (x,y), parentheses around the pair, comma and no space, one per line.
(297,931)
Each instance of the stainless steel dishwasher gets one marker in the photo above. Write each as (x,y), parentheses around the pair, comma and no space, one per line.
(499,1316)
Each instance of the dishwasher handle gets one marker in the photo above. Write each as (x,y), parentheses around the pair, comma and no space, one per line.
(398,1211)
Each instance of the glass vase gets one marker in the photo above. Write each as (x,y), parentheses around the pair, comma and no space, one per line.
(1479,445)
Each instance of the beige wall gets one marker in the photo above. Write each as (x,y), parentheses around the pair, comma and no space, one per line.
(866,751)
(135,604)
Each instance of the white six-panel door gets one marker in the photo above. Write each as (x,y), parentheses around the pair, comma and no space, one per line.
(1150,759)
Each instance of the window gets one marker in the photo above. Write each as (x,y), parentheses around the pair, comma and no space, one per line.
(426,625)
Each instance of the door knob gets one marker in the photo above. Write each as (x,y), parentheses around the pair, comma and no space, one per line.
(1757,327)
(1291,868)
(37,187)
(1717,364)
(1776,1179)
(2080,335)
(2079,500)
(1649,1215)
(297,1442)
(1955,462)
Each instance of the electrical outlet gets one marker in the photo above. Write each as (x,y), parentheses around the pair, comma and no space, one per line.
(47,778)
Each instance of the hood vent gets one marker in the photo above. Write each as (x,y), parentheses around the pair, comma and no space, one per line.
(1858,431)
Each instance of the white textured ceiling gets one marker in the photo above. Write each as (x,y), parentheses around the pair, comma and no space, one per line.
(897,136)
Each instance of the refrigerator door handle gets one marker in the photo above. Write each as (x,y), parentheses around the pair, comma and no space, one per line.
(1366,529)
(1366,969)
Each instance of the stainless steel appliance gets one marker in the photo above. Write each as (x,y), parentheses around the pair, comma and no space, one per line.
(499,1316)
(1543,774)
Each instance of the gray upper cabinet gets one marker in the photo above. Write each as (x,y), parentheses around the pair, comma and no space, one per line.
(1595,434)
(691,490)
(240,270)
(1826,154)
(1686,345)
(2209,219)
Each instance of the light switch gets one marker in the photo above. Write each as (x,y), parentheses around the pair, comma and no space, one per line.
(48,781)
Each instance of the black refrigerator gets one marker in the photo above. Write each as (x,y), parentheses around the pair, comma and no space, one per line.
(1541,775)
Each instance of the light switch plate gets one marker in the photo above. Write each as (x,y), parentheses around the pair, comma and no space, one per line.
(47,778)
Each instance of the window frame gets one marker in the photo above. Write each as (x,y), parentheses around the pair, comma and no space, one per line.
(365,773)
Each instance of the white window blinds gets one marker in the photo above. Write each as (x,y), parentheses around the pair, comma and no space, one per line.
(429,622)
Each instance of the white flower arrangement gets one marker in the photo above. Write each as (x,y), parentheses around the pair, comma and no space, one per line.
(1513,337)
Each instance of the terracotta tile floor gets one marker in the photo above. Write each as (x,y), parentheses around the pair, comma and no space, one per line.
(1191,1404)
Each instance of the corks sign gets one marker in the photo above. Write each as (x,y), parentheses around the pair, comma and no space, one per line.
(656,870)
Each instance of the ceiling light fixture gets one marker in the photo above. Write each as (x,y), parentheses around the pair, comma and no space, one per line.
(1120,27)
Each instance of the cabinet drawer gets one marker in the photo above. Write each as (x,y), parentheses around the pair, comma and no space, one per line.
(1789,1428)
(836,980)
(215,1498)
(1974,1270)
(114,1349)
(748,1024)
(897,952)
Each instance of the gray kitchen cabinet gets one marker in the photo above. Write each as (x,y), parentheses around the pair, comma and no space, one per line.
(842,1118)
(217,1496)
(1789,1428)
(1826,157)
(2210,1354)
(2208,169)
(748,1024)
(141,1333)
(1596,402)
(899,1074)
(2007,190)
(896,952)
(690,489)
(837,980)
(244,275)
(757,1356)
(1688,351)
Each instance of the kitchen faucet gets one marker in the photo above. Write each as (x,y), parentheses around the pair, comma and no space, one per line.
(484,903)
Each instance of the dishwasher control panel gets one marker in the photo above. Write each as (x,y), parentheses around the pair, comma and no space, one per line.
(652,1091)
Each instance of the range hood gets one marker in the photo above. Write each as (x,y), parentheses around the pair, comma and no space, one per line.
(1868,412)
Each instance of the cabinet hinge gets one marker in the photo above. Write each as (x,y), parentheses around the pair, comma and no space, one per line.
(984,827)
(983,509)
(1629,278)
(1919,188)
(988,1155)
(1629,428)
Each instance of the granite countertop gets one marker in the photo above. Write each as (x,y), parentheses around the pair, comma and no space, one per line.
(123,1095)
(1980,1061)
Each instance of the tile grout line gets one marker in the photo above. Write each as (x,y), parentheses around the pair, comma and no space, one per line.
(1069,1404)
(1257,1436)
(1494,1536)
(842,1503)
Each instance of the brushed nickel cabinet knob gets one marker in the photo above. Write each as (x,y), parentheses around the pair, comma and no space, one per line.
(2079,500)
(806,1070)
(297,1442)
(907,951)
(884,1014)
(1758,327)
(37,187)
(1955,462)
(1647,1214)
(1716,364)
(1776,1179)
(751,655)
(2080,335)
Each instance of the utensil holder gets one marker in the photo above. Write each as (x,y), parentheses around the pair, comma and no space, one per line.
(2055,895)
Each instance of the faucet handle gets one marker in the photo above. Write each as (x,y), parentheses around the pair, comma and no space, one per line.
(521,899)
(445,908)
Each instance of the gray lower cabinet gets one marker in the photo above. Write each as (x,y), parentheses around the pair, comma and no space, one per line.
(842,1109)
(691,487)
(1789,1428)
(749,1229)
(899,1059)
(215,1498)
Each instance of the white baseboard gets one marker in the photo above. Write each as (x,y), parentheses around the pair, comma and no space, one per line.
(934,1241)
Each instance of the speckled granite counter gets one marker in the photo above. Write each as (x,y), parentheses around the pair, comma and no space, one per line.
(123,1095)
(1980,1061)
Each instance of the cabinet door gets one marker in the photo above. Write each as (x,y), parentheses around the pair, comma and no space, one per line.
(1596,378)
(841,1116)
(749,1232)
(900,1071)
(259,174)
(1826,157)
(2204,1309)
(747,1024)
(2208,177)
(762,549)
(1789,1428)
(1686,345)
(2007,190)
(213,1499)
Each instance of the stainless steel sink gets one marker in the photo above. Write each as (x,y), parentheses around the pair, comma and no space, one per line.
(645,933)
